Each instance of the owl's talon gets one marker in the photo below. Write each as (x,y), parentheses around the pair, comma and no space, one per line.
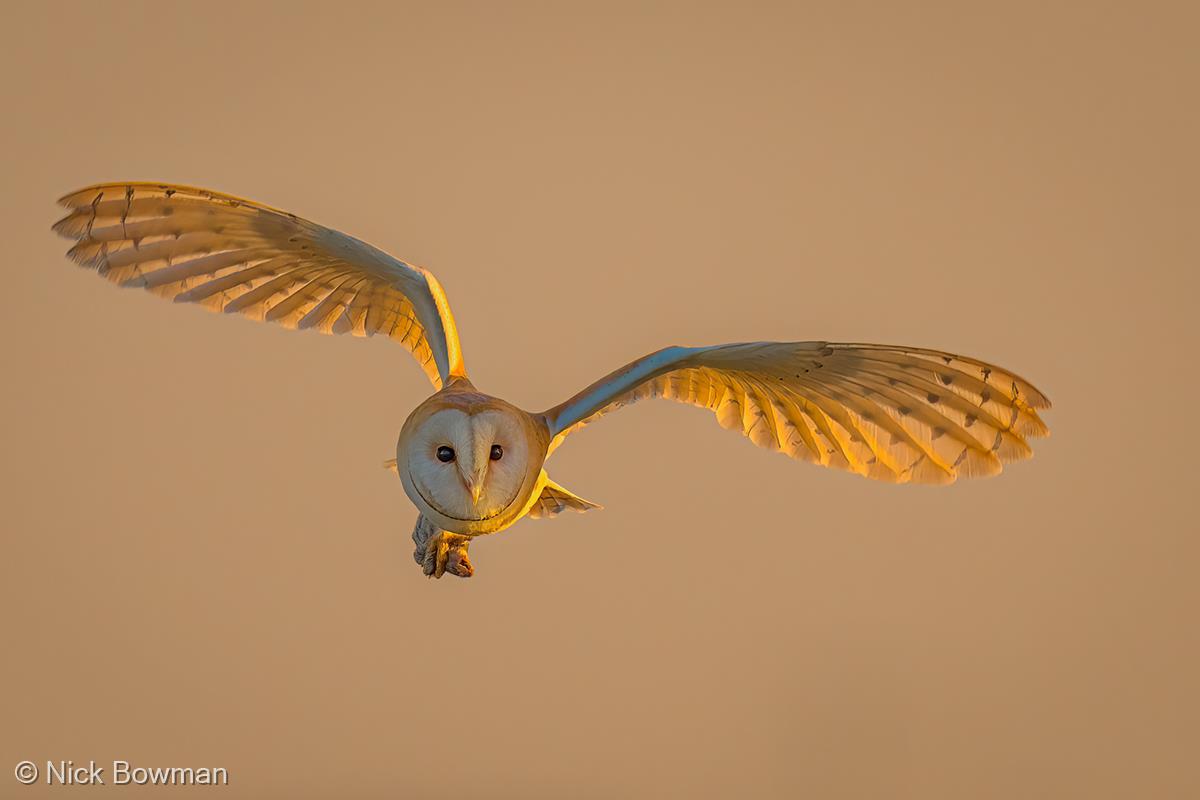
(458,564)
(446,552)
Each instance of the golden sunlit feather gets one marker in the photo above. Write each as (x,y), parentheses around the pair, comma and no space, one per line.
(229,254)
(897,414)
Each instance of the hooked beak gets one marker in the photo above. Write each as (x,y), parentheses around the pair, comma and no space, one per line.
(474,483)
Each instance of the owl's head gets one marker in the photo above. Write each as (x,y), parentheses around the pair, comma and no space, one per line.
(472,460)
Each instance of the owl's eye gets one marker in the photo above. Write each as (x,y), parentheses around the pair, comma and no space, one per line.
(497,452)
(445,454)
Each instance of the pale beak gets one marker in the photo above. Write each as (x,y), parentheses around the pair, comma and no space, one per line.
(474,482)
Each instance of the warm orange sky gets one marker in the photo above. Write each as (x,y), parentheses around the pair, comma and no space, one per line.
(205,563)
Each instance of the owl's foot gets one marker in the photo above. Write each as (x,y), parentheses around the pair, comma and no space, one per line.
(447,552)
(439,552)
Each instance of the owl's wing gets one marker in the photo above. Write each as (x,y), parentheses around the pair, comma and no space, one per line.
(233,255)
(899,414)
(554,500)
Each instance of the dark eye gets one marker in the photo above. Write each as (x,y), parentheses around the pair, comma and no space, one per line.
(445,454)
(497,452)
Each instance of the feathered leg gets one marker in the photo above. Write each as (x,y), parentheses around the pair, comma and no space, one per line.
(439,552)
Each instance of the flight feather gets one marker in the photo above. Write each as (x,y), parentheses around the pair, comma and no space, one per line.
(234,255)
(898,414)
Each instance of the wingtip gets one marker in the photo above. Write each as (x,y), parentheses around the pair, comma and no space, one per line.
(75,199)
(65,200)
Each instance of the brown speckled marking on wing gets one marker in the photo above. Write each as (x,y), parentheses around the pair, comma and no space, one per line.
(899,414)
(229,254)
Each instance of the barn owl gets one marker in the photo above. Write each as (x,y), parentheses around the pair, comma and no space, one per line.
(473,464)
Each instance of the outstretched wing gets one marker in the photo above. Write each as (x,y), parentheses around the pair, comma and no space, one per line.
(899,414)
(233,255)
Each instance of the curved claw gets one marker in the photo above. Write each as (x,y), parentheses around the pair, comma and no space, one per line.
(458,564)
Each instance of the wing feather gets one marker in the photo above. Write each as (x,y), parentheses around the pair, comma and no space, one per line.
(899,414)
(229,254)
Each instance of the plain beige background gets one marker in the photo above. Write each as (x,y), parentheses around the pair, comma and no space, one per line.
(205,564)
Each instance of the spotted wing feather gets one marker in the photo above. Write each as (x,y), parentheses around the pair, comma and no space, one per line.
(229,254)
(898,414)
